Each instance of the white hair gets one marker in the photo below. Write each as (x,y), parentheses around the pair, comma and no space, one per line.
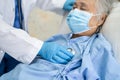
(104,6)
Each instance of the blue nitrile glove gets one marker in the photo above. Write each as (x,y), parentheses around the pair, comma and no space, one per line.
(68,5)
(55,53)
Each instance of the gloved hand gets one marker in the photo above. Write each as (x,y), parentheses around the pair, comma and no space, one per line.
(55,53)
(68,5)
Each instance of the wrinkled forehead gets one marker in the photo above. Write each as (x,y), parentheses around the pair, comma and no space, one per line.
(90,5)
(88,2)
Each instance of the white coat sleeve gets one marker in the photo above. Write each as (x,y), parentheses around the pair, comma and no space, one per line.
(51,5)
(18,44)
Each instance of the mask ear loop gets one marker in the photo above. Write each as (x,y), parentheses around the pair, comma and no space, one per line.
(99,28)
(94,15)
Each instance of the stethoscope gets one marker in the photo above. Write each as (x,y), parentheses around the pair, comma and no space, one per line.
(71,50)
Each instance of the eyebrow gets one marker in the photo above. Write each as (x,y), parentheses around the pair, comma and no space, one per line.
(83,4)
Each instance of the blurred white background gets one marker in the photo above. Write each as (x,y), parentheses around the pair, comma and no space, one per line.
(42,24)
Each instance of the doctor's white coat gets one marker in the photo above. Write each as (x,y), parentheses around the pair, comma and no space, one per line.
(17,42)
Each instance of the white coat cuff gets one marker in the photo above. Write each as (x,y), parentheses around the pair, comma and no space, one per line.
(60,4)
(28,58)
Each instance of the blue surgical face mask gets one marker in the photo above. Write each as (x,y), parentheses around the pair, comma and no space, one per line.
(78,21)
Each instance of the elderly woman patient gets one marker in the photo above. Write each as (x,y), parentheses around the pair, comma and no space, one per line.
(93,59)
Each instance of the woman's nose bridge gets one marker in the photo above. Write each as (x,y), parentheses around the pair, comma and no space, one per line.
(76,6)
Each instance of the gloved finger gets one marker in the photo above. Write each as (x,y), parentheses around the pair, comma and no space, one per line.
(72,2)
(70,7)
(57,59)
(53,61)
(67,52)
(63,56)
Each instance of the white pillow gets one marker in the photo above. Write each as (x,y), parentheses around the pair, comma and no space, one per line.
(111,30)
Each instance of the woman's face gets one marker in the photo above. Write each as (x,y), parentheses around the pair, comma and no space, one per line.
(90,6)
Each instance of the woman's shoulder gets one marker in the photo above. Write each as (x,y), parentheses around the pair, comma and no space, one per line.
(101,41)
(100,46)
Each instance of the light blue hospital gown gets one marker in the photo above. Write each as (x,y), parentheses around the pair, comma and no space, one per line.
(93,61)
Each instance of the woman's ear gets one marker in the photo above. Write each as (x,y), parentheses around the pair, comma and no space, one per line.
(102,19)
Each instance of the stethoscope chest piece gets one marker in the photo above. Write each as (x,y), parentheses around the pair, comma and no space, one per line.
(71,50)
